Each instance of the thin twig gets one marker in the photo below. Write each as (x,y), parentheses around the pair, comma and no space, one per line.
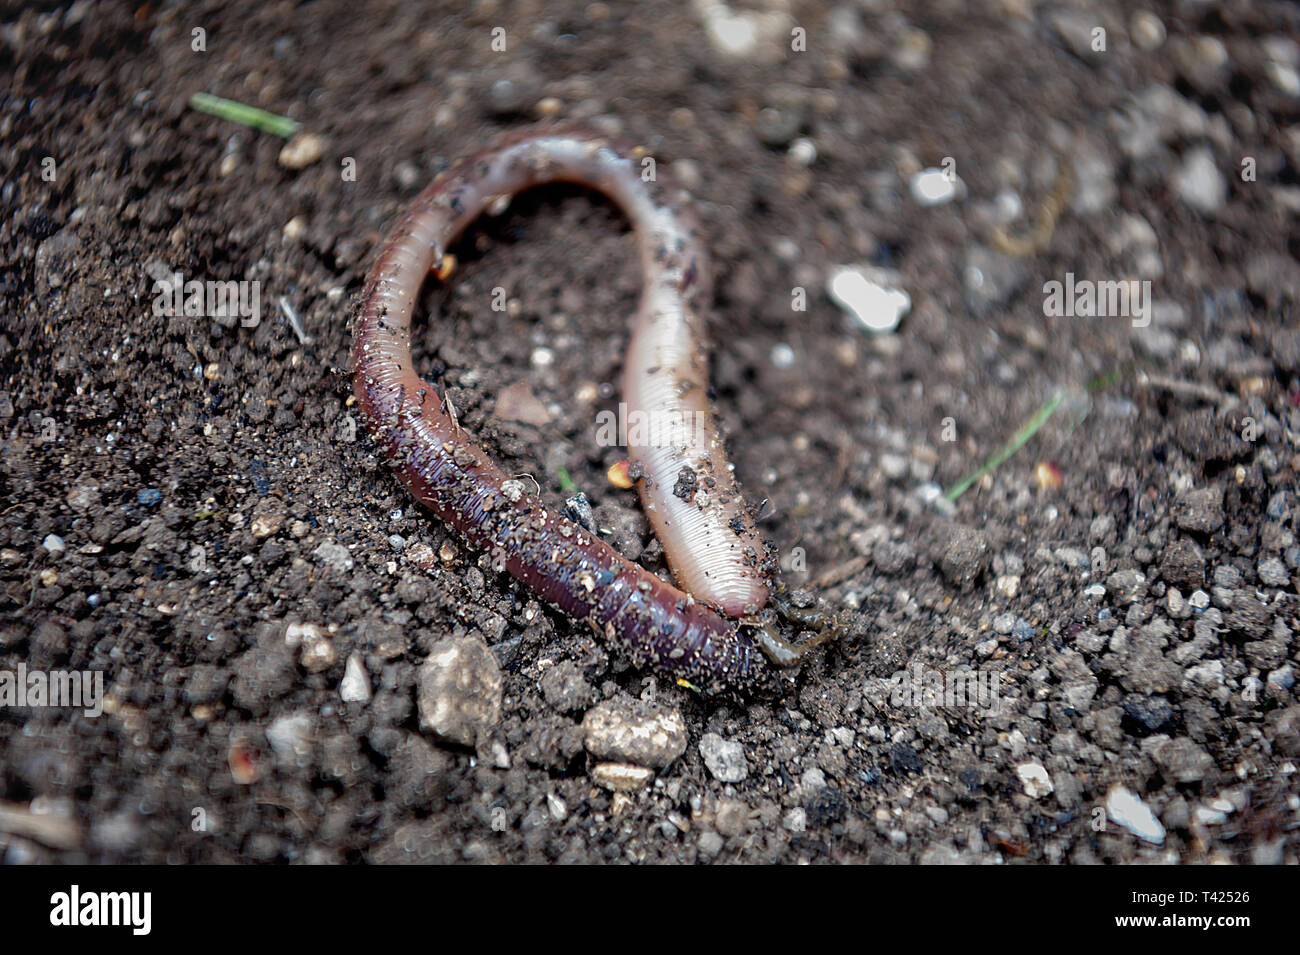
(1187,389)
(244,114)
(1011,447)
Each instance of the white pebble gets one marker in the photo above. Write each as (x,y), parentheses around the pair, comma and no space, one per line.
(1008,585)
(1127,810)
(803,151)
(934,187)
(302,151)
(355,687)
(1282,64)
(1035,780)
(1199,183)
(1210,817)
(289,736)
(1147,30)
(559,809)
(876,307)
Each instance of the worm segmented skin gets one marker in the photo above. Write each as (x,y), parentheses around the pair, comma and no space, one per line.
(702,522)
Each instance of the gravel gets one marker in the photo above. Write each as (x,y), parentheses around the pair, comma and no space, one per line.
(725,759)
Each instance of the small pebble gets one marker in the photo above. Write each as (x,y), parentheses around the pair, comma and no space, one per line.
(778,125)
(1283,678)
(1282,64)
(264,525)
(934,187)
(725,759)
(557,807)
(1127,810)
(302,151)
(1199,183)
(1023,630)
(1034,777)
(802,152)
(355,686)
(290,737)
(1273,573)
(1147,30)
(459,691)
(407,175)
(621,777)
(710,844)
(876,307)
(334,556)
(1176,604)
(317,653)
(634,731)
(507,96)
(1210,817)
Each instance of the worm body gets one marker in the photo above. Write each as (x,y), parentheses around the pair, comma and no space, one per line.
(687,489)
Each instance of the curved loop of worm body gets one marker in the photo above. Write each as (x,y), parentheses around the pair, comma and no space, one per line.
(687,488)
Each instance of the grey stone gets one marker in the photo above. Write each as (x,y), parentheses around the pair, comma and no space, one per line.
(1272,573)
(1182,760)
(459,691)
(1282,728)
(1199,183)
(1183,564)
(1199,510)
(625,730)
(963,555)
(334,556)
(725,759)
(1151,713)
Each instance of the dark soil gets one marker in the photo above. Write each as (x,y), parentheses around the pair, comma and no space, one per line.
(210,488)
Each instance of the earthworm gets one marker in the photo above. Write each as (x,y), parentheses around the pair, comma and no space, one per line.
(686,485)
